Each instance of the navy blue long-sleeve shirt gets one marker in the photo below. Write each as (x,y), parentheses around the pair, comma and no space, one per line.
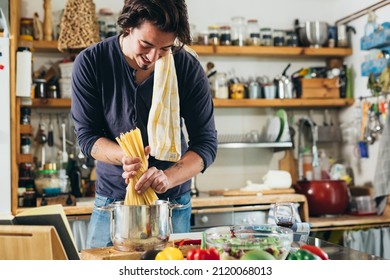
(106,101)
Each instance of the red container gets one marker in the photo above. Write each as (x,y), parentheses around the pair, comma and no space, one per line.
(324,197)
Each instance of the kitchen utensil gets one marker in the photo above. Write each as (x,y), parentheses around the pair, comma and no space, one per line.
(290,164)
(313,33)
(234,241)
(140,227)
(324,197)
(64,153)
(273,129)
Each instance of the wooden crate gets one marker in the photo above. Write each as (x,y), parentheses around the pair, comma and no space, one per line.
(320,88)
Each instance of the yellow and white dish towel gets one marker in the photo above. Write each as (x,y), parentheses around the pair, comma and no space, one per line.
(164,116)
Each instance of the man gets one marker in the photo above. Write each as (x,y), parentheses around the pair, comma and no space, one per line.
(112,93)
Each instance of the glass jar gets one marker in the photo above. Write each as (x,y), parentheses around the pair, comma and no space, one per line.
(25,115)
(225,37)
(27,27)
(52,91)
(213,31)
(291,38)
(266,36)
(279,37)
(253,33)
(46,178)
(238,31)
(220,86)
(25,170)
(40,88)
(25,144)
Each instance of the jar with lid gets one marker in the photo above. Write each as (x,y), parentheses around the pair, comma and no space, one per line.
(40,88)
(46,178)
(52,91)
(25,115)
(213,35)
(291,38)
(220,86)
(266,36)
(238,31)
(279,37)
(253,33)
(25,144)
(27,27)
(225,37)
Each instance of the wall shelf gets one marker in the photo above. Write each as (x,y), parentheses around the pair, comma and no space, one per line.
(44,46)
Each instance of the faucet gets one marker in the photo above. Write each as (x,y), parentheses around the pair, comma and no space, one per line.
(315,163)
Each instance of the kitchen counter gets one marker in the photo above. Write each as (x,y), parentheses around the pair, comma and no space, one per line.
(335,252)
(199,204)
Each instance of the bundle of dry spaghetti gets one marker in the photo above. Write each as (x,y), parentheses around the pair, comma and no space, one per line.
(131,143)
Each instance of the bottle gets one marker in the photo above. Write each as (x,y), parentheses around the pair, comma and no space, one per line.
(74,176)
(370,26)
(325,165)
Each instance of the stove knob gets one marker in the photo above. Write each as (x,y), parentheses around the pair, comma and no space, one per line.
(204,219)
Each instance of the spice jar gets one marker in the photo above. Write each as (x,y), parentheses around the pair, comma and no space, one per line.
(25,144)
(40,88)
(266,36)
(279,37)
(52,91)
(27,27)
(46,178)
(25,115)
(25,171)
(225,38)
(291,38)
(213,35)
(253,33)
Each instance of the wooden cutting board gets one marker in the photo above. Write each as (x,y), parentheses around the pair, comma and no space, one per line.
(290,164)
(238,192)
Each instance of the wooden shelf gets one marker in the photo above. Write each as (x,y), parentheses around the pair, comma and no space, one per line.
(297,102)
(25,158)
(44,46)
(50,103)
(227,103)
(26,129)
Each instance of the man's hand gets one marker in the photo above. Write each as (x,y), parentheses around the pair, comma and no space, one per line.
(155,179)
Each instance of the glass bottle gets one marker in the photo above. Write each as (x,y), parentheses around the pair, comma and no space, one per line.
(25,115)
(238,31)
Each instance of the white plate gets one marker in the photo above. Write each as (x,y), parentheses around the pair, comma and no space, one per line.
(284,134)
(273,129)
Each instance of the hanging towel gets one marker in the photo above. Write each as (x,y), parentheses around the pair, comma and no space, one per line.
(164,117)
(382,172)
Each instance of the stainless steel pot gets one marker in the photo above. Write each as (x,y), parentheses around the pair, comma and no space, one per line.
(140,227)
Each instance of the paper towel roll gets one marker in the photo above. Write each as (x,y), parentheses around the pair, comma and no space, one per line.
(23,73)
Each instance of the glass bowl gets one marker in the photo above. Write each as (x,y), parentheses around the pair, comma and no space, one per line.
(233,241)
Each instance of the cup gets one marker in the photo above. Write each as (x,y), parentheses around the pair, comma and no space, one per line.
(269,91)
(284,214)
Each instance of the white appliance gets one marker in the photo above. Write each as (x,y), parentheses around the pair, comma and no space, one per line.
(5,121)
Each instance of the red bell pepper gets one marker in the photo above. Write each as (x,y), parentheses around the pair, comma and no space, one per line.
(202,253)
(316,251)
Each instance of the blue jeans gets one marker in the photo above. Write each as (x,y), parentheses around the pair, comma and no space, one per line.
(99,234)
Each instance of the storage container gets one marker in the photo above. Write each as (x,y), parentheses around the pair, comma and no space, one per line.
(66,69)
(65,87)
(320,88)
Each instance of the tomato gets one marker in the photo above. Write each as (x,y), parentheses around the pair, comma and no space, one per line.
(203,254)
(316,251)
(170,253)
